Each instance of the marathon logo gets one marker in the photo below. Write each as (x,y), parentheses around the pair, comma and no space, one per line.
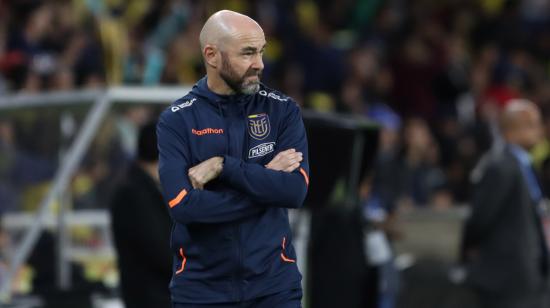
(207,131)
(184,105)
(261,149)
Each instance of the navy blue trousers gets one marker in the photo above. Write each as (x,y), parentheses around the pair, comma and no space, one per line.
(285,299)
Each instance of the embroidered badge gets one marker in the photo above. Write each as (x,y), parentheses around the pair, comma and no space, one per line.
(258,126)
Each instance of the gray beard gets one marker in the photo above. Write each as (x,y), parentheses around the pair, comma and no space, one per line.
(237,84)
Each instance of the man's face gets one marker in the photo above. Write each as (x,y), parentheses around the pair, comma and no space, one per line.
(242,64)
(531,132)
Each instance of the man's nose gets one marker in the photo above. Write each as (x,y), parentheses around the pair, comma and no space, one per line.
(258,63)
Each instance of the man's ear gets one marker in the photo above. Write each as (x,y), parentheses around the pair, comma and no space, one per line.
(210,54)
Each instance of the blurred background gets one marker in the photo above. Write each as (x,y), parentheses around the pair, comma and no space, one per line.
(424,80)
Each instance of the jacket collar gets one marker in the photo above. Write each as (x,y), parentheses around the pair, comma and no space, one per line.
(201,89)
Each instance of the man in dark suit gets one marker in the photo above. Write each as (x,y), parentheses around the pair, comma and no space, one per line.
(503,245)
(141,228)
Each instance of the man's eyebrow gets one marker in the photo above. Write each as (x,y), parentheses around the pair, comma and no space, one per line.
(252,49)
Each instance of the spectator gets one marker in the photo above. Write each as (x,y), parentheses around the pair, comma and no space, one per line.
(504,247)
(141,228)
(378,202)
(416,178)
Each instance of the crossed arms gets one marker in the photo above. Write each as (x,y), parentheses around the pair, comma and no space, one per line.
(201,174)
(248,187)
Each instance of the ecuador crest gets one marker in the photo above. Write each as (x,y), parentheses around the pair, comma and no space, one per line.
(258,126)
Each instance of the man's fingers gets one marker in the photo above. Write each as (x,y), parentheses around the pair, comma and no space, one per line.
(287,161)
(292,167)
(286,153)
(275,159)
(297,157)
(196,178)
(194,183)
(204,172)
(197,184)
(288,156)
(294,158)
(283,154)
(293,155)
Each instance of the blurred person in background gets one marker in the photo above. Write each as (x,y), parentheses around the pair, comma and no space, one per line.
(141,228)
(504,247)
(25,168)
(385,182)
(378,198)
(421,181)
(127,126)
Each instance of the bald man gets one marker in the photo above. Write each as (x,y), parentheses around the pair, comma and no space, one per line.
(503,245)
(233,160)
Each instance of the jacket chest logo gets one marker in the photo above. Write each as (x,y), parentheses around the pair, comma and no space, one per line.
(258,126)
(207,131)
(261,150)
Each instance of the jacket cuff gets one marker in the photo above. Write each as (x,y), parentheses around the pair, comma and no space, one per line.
(230,165)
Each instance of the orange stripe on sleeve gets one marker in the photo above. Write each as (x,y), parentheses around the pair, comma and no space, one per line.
(306,177)
(287,259)
(178,198)
(183,261)
(283,254)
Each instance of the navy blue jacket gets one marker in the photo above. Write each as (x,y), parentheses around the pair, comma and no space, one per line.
(231,241)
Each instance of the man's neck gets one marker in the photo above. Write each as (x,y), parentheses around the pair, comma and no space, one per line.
(518,145)
(217,85)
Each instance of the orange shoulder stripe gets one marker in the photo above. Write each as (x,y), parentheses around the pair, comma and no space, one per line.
(178,198)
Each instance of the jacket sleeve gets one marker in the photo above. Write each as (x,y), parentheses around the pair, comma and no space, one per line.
(188,205)
(270,187)
(487,203)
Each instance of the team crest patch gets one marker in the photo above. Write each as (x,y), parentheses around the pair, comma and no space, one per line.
(258,126)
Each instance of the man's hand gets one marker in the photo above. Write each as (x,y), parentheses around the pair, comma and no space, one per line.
(286,161)
(205,172)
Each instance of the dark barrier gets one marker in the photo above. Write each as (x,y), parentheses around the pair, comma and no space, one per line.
(341,148)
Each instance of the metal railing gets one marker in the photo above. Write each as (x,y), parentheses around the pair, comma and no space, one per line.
(101,101)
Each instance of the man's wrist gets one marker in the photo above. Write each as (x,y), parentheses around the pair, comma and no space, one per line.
(219,160)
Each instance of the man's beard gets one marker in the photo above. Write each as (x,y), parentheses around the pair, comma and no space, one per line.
(238,83)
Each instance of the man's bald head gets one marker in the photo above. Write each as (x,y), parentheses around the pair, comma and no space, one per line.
(225,25)
(516,112)
(232,47)
(521,123)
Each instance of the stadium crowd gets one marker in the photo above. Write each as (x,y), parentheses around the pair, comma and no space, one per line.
(433,74)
